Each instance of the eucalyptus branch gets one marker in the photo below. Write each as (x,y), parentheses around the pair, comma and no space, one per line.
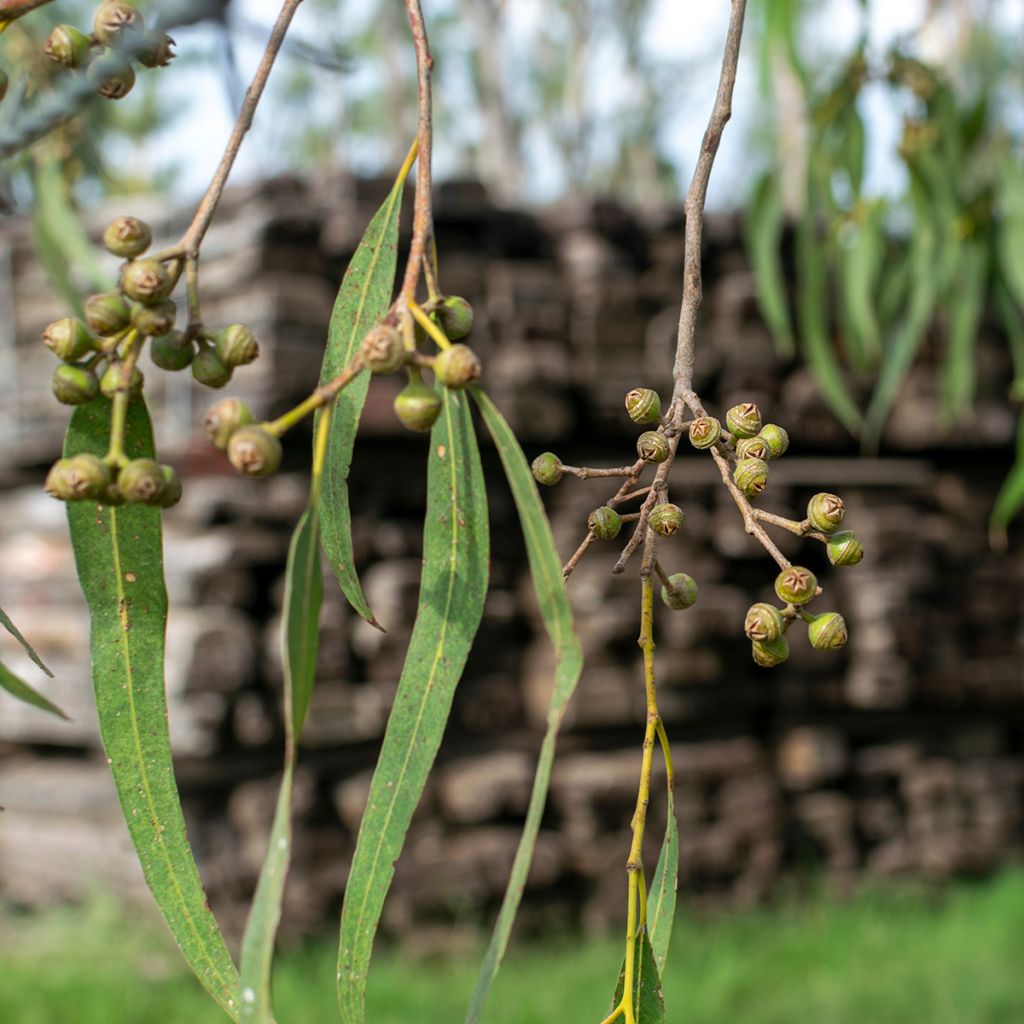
(802,528)
(11,10)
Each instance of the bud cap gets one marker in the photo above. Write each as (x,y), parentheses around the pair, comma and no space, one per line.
(74,385)
(652,446)
(68,339)
(825,512)
(764,622)
(457,367)
(254,451)
(796,585)
(209,369)
(705,431)
(604,523)
(666,519)
(223,419)
(382,350)
(743,420)
(751,476)
(643,405)
(844,548)
(770,654)
(146,281)
(127,237)
(141,482)
(827,631)
(455,315)
(236,345)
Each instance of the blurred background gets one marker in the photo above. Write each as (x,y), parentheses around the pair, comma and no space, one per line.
(851,822)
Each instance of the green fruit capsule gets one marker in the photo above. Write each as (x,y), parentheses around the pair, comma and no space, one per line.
(127,237)
(172,351)
(666,519)
(171,493)
(209,369)
(547,469)
(56,481)
(753,448)
(796,585)
(652,446)
(254,451)
(68,339)
(141,482)
(604,523)
(705,431)
(751,476)
(223,419)
(417,406)
(112,381)
(382,350)
(74,385)
(107,313)
(643,405)
(457,367)
(682,592)
(844,548)
(112,20)
(776,438)
(768,655)
(68,47)
(764,623)
(155,320)
(455,316)
(236,345)
(158,51)
(743,420)
(146,281)
(112,77)
(827,631)
(825,512)
(78,478)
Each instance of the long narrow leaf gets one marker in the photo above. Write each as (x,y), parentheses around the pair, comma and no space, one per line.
(452,592)
(648,1000)
(120,565)
(966,300)
(18,688)
(1010,499)
(764,225)
(5,621)
(661,900)
(860,269)
(546,570)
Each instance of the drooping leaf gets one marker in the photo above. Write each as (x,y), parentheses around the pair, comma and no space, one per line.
(966,301)
(119,558)
(1013,323)
(452,593)
(546,570)
(5,621)
(853,145)
(363,299)
(1010,499)
(661,900)
(765,221)
(648,1001)
(18,688)
(860,267)
(304,588)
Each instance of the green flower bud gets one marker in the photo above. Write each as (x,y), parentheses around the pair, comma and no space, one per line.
(743,420)
(68,339)
(844,548)
(455,316)
(705,431)
(764,623)
(141,482)
(254,451)
(776,438)
(113,19)
(67,47)
(604,523)
(236,345)
(153,321)
(209,369)
(111,381)
(547,469)
(112,76)
(78,478)
(382,349)
(223,419)
(172,351)
(681,594)
(107,313)
(666,519)
(417,406)
(74,385)
(158,51)
(127,237)
(171,493)
(768,655)
(751,476)
(643,405)
(457,367)
(652,446)
(796,585)
(753,448)
(827,631)
(146,281)
(56,481)
(825,512)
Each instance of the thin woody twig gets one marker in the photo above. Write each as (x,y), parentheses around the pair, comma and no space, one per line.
(802,528)
(656,495)
(591,472)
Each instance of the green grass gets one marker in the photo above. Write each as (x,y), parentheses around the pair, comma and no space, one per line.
(896,957)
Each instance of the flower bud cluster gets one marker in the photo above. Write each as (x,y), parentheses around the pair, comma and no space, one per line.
(138,482)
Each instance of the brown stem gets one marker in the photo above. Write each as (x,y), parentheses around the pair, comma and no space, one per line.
(656,495)
(801,529)
(10,10)
(590,472)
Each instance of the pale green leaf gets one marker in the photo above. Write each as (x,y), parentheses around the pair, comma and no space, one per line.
(648,1001)
(661,900)
(966,302)
(765,221)
(18,688)
(5,621)
(860,267)
(1010,499)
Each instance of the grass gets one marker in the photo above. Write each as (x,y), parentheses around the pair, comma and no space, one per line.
(896,957)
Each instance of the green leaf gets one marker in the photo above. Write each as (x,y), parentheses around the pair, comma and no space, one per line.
(648,1001)
(118,555)
(17,687)
(765,221)
(5,621)
(661,900)
(363,299)
(860,267)
(852,146)
(452,593)
(966,301)
(1010,499)
(1013,324)
(546,570)
(304,589)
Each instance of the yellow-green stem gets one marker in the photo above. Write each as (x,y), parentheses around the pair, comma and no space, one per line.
(428,325)
(119,413)
(324,395)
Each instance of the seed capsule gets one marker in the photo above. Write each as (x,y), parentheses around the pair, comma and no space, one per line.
(158,51)
(68,339)
(457,367)
(112,77)
(56,481)
(171,493)
(753,448)
(705,431)
(751,476)
(604,523)
(652,446)
(254,451)
(74,385)
(764,623)
(209,369)
(643,405)
(455,315)
(141,482)
(844,548)
(743,420)
(768,655)
(223,419)
(66,46)
(776,438)
(78,478)
(107,313)
(113,19)
(827,631)
(111,381)
(825,512)
(666,519)
(172,351)
(382,349)
(127,237)
(681,594)
(547,469)
(146,281)
(236,345)
(796,585)
(417,406)
(153,321)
